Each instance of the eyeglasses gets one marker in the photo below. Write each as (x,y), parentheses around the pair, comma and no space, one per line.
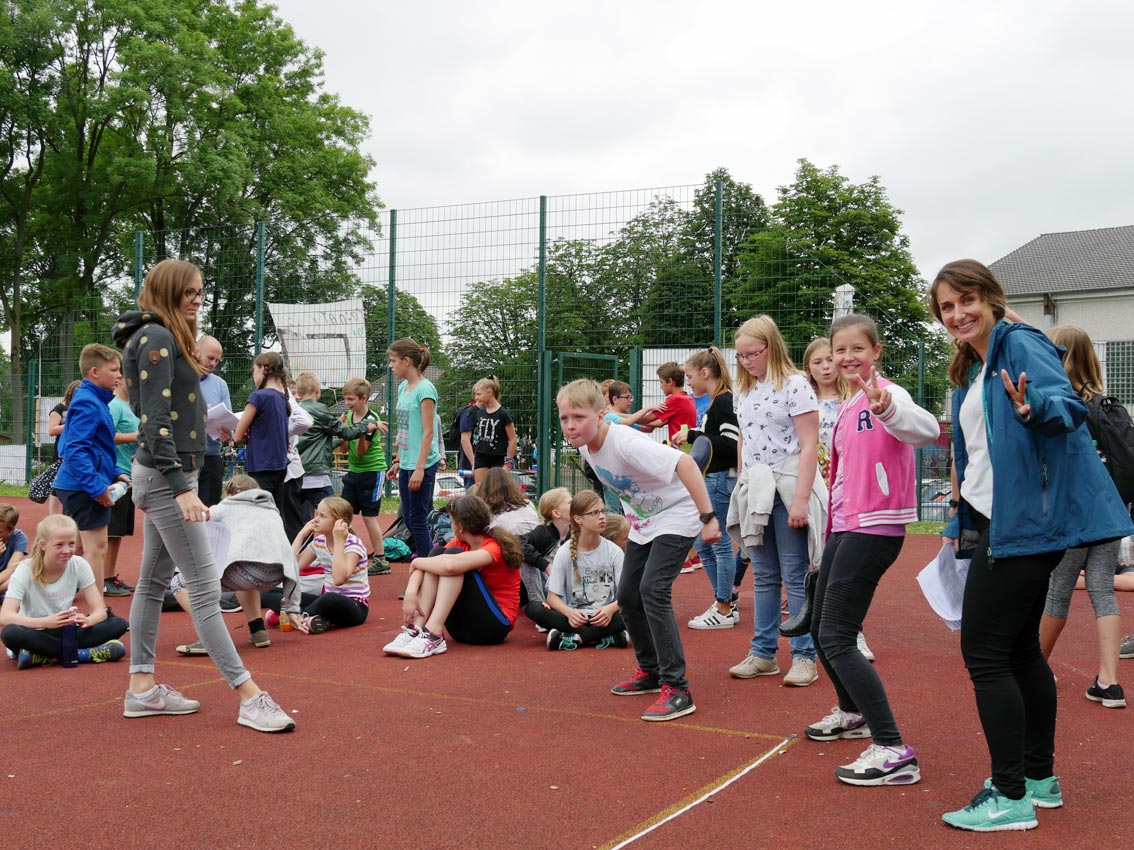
(629,396)
(748,358)
(195,294)
(597,513)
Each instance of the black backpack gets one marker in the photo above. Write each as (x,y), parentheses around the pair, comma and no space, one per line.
(1113,432)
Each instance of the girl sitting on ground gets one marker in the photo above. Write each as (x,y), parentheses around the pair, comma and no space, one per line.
(345,600)
(581,606)
(258,556)
(541,543)
(511,511)
(472,589)
(617,530)
(38,602)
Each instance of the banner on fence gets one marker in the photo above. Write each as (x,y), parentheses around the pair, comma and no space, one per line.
(329,339)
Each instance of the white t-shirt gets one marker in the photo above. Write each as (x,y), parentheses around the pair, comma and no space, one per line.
(977,486)
(39,601)
(598,573)
(519,521)
(643,473)
(765,418)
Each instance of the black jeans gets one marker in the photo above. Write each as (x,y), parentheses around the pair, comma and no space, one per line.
(1015,691)
(210,480)
(46,642)
(645,595)
(549,618)
(853,564)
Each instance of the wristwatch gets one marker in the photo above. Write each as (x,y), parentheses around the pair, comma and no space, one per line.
(706,518)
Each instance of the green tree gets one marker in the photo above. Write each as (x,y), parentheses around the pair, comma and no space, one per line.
(828,231)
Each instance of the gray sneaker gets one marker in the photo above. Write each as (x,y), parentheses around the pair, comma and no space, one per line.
(1126,648)
(165,701)
(263,715)
(753,666)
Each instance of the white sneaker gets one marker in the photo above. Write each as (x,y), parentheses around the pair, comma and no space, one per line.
(399,643)
(864,649)
(801,674)
(712,619)
(422,645)
(838,724)
(263,715)
(753,666)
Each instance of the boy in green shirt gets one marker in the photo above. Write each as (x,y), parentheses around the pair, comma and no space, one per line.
(362,485)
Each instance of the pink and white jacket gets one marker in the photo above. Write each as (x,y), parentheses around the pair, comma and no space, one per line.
(879,477)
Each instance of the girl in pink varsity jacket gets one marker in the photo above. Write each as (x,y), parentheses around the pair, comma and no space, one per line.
(873,497)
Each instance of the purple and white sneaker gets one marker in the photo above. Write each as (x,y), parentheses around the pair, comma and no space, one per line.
(424,644)
(880,765)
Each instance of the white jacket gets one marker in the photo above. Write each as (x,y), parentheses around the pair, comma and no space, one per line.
(257,536)
(751,505)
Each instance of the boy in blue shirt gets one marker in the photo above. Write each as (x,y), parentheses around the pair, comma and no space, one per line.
(90,461)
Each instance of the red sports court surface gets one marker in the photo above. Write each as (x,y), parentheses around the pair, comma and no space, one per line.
(517,747)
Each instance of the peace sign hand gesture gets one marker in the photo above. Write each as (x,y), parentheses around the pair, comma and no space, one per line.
(1018,393)
(878,397)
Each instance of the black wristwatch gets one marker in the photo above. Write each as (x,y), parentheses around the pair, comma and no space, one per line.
(706,518)
(953,503)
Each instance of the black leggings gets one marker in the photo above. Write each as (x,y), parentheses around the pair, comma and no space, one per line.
(338,610)
(476,617)
(549,618)
(1015,691)
(46,642)
(853,564)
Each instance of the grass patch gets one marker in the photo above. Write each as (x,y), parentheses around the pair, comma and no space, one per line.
(13,491)
(925,528)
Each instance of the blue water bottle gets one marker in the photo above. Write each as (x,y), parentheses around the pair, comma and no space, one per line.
(69,644)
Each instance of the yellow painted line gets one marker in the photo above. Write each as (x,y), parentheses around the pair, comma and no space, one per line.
(694,799)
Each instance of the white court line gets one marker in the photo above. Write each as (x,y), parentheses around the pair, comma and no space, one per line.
(707,794)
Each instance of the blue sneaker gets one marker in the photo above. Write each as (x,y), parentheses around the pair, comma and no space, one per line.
(991,811)
(112,650)
(27,659)
(1045,793)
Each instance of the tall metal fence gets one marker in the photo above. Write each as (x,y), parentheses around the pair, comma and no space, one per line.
(536,291)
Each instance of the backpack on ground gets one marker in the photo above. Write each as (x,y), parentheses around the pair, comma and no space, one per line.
(1110,426)
(440,525)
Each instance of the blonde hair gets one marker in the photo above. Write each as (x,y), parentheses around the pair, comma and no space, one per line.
(712,359)
(617,529)
(240,484)
(780,368)
(1079,360)
(306,383)
(549,501)
(582,392)
(48,526)
(583,503)
(338,508)
(358,387)
(489,383)
(9,516)
(96,354)
(841,386)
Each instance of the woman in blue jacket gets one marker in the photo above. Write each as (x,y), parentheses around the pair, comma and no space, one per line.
(1027,484)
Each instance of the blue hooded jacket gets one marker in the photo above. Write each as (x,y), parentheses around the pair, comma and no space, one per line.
(90,462)
(1050,489)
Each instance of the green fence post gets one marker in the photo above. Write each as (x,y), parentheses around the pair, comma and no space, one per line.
(391,315)
(33,366)
(718,237)
(543,386)
(259,286)
(138,248)
(635,375)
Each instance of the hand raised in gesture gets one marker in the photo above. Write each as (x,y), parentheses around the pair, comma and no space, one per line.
(1017,392)
(878,397)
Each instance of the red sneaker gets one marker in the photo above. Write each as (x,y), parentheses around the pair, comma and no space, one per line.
(672,703)
(640,683)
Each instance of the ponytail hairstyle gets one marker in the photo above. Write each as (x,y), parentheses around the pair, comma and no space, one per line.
(764,329)
(240,484)
(712,359)
(967,276)
(550,500)
(408,347)
(1079,360)
(490,383)
(161,295)
(585,502)
(474,516)
(273,365)
(70,391)
(48,526)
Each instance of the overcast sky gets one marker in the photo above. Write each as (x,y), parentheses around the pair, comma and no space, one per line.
(987,122)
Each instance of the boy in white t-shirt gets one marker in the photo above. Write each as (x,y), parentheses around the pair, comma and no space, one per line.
(665,499)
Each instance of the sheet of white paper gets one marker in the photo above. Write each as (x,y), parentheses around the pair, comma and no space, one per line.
(943,583)
(219,536)
(220,417)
